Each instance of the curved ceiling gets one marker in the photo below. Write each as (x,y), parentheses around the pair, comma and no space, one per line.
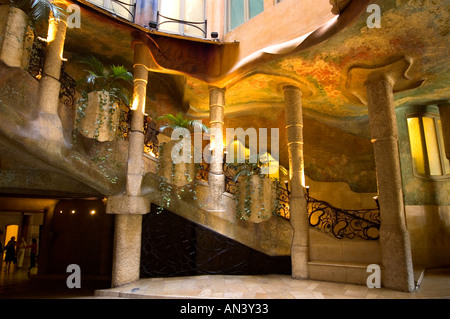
(327,64)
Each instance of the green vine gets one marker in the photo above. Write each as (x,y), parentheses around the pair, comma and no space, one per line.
(243,177)
(166,186)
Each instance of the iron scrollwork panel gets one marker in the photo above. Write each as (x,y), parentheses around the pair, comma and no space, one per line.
(364,224)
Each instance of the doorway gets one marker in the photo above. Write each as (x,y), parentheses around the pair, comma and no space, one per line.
(11,231)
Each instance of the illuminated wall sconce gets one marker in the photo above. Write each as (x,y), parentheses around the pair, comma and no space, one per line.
(376,201)
(60,211)
(92,212)
(73,212)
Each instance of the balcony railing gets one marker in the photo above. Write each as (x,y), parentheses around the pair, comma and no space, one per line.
(118,8)
(199,25)
(36,68)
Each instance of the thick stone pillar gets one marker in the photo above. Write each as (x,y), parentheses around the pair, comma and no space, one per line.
(394,237)
(130,206)
(48,125)
(297,204)
(216,177)
(444,111)
(127,249)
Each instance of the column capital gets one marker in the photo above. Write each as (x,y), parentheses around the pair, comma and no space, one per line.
(291,87)
(213,87)
(399,74)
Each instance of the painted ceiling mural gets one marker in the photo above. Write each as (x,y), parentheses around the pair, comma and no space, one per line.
(337,137)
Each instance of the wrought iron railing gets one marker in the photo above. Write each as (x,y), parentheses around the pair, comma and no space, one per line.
(37,58)
(343,223)
(67,91)
(129,8)
(193,24)
(151,143)
(36,68)
(283,196)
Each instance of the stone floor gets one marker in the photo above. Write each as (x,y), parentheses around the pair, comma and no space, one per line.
(17,285)
(435,284)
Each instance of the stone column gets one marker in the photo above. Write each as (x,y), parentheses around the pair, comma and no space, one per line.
(444,111)
(297,204)
(394,237)
(49,123)
(216,177)
(127,249)
(135,171)
(131,206)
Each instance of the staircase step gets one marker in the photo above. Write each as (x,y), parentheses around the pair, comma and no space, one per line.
(351,273)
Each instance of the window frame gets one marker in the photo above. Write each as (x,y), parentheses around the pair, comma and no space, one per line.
(420,115)
(182,14)
(246,14)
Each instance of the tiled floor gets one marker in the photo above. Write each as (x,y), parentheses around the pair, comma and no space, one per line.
(17,285)
(436,284)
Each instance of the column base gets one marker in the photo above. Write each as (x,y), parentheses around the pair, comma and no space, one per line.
(396,259)
(299,261)
(127,249)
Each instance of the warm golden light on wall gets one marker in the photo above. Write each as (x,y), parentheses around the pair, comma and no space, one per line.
(135,104)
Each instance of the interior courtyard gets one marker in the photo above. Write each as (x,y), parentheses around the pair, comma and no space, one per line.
(225,149)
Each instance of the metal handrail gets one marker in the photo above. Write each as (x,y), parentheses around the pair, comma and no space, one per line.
(125,5)
(189,23)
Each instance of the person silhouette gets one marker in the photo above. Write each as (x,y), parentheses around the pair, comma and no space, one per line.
(10,255)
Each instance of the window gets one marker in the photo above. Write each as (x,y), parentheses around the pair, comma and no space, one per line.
(240,11)
(122,8)
(427,146)
(185,10)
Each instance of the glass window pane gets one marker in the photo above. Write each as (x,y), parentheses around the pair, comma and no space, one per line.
(194,12)
(434,157)
(170,9)
(416,145)
(236,13)
(124,9)
(255,7)
(445,159)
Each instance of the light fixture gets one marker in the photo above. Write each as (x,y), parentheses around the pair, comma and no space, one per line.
(93,212)
(73,211)
(376,201)
(60,211)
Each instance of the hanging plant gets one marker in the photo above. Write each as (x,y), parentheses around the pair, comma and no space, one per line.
(103,92)
(256,196)
(176,179)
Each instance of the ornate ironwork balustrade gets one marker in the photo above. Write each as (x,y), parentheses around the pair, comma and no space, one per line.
(67,91)
(37,58)
(343,223)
